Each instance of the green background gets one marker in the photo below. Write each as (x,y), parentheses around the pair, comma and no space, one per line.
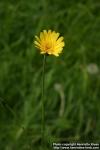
(72,80)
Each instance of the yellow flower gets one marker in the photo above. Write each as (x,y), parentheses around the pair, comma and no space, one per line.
(49,42)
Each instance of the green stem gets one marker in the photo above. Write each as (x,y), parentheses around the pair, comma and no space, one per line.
(43,103)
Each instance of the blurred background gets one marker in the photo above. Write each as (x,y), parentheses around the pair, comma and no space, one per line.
(72,83)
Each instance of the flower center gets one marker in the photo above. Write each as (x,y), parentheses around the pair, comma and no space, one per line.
(47,46)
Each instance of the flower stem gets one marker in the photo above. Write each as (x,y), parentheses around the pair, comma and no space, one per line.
(43,103)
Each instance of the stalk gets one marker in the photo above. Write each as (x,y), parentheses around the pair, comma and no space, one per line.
(43,102)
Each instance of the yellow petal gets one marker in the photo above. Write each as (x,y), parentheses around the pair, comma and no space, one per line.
(37,43)
(49,31)
(56,54)
(41,36)
(42,52)
(45,32)
(62,44)
(60,40)
(37,38)
(55,35)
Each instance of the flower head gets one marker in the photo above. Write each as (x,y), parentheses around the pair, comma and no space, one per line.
(49,42)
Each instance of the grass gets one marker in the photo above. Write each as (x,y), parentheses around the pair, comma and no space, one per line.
(72,92)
